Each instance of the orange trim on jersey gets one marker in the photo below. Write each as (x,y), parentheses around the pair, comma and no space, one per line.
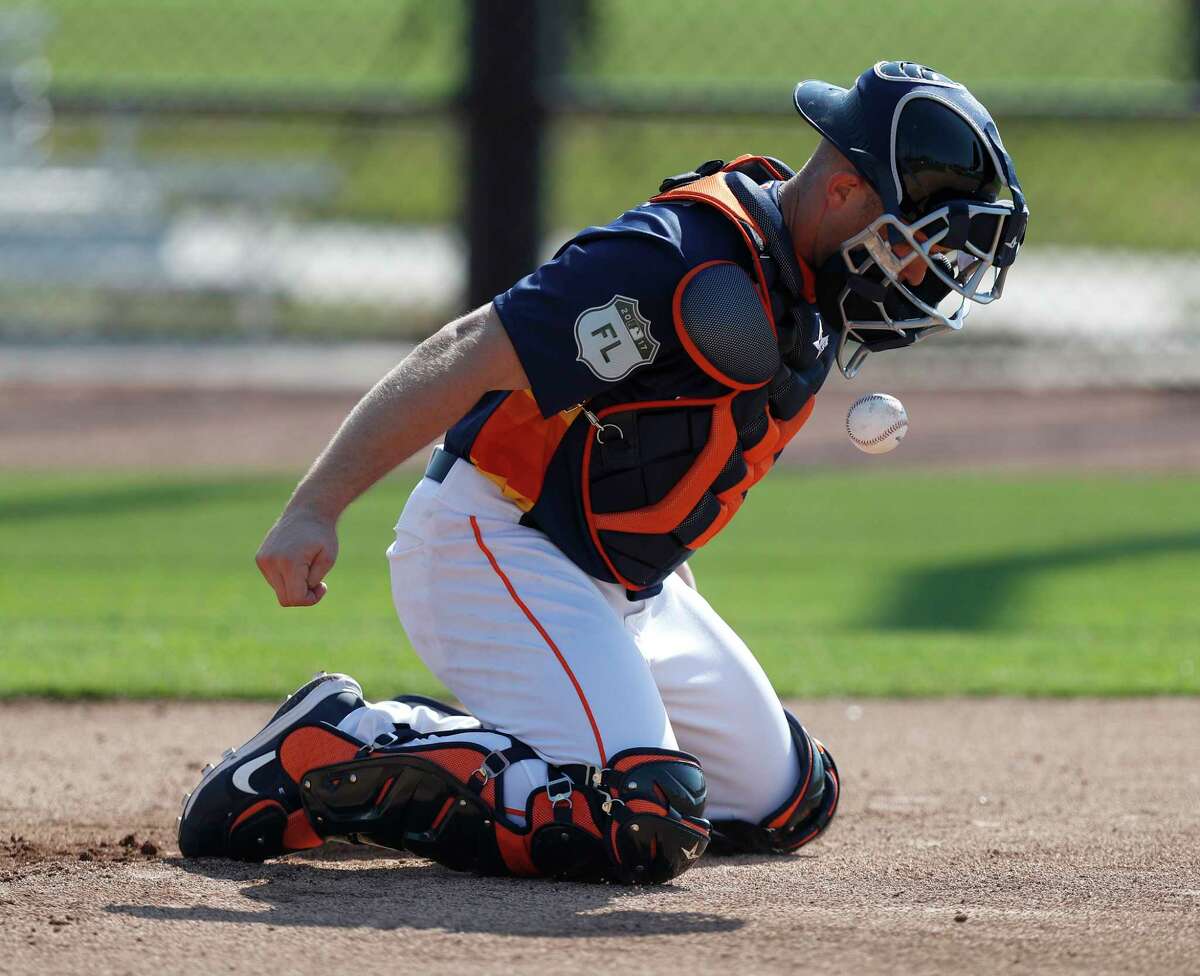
(545,636)
(515,445)
(685,338)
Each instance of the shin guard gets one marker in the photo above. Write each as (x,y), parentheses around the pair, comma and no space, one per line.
(640,820)
(801,818)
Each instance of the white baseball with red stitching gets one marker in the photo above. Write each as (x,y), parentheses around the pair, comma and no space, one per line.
(877,423)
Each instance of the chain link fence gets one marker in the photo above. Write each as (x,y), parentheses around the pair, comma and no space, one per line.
(331,170)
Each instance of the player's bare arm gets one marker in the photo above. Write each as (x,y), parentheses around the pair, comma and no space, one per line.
(423,395)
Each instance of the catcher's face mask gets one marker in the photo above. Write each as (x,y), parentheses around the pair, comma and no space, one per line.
(962,243)
(872,315)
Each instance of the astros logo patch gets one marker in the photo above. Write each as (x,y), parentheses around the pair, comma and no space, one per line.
(614,339)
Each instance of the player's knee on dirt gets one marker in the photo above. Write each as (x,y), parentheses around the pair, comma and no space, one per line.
(639,820)
(801,818)
(657,810)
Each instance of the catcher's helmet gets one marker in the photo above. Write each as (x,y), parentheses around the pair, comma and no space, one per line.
(934,155)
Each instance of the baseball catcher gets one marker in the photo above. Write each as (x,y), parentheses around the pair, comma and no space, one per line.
(605,418)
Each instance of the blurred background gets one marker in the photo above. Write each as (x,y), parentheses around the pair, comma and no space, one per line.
(325,170)
(221,221)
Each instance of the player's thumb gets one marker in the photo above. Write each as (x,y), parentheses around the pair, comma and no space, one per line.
(315,595)
(320,566)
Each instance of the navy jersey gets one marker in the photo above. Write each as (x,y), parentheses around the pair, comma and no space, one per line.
(596,319)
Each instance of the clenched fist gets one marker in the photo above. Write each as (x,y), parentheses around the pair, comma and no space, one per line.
(296,555)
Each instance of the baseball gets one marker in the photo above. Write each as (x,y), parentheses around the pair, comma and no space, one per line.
(876,423)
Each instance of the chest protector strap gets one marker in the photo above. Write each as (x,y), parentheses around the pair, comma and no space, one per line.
(759,337)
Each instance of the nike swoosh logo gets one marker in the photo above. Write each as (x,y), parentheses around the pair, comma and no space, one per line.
(241,776)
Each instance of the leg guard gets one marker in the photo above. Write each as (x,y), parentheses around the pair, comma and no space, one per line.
(804,815)
(638,821)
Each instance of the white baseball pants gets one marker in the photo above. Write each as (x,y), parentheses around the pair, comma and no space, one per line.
(533,646)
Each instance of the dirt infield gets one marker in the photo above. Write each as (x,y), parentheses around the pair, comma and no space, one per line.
(975,836)
(69,426)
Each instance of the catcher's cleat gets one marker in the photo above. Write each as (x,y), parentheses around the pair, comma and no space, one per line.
(246,807)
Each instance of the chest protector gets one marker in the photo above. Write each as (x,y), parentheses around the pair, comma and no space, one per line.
(660,478)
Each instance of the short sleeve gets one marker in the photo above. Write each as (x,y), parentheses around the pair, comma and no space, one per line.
(587,319)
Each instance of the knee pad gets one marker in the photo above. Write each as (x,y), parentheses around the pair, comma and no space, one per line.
(638,820)
(801,818)
(654,800)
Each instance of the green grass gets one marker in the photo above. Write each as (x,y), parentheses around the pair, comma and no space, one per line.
(634,45)
(842,584)
(344,47)
(1105,184)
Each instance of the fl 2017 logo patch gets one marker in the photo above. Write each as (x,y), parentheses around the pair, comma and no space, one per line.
(614,339)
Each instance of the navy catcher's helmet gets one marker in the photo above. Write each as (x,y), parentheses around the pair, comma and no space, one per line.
(934,156)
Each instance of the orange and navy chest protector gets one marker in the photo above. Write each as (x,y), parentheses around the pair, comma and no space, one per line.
(671,355)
